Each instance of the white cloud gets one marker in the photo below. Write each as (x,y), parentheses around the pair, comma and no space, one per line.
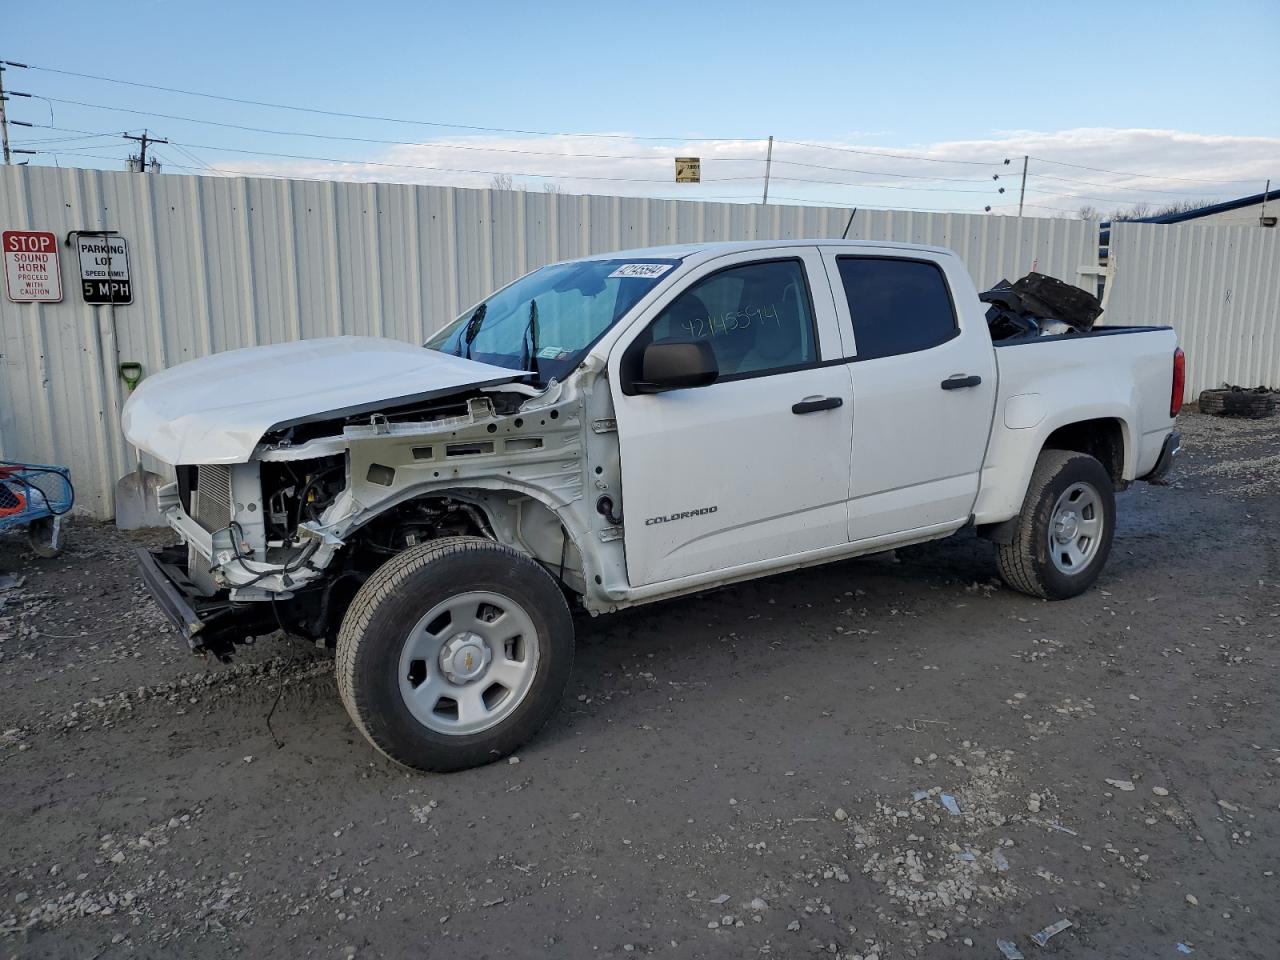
(1148,166)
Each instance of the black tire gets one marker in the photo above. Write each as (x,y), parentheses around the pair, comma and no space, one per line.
(44,537)
(1026,563)
(1212,401)
(386,609)
(1253,404)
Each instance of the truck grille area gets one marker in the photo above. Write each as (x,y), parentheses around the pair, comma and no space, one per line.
(211,498)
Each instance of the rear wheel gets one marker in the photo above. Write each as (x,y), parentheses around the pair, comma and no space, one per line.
(454,653)
(1063,536)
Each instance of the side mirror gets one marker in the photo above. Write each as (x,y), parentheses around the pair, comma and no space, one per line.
(672,365)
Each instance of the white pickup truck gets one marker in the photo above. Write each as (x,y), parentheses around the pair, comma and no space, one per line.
(621,429)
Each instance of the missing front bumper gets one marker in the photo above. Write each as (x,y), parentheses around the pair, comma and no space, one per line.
(209,624)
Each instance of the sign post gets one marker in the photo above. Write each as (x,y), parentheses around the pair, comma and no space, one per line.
(32,272)
(104,269)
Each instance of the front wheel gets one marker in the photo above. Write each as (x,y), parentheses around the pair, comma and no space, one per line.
(454,653)
(1063,535)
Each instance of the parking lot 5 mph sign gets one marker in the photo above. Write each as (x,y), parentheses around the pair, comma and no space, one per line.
(104,269)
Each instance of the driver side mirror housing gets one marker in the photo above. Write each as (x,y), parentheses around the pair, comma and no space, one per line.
(674,365)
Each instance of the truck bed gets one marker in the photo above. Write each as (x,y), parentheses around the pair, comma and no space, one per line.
(1119,377)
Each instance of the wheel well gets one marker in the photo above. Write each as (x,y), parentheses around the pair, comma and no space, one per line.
(418,520)
(514,519)
(1102,439)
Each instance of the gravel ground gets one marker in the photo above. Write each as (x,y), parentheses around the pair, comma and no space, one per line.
(763,770)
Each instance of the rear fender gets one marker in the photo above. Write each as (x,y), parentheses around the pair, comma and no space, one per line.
(1013,452)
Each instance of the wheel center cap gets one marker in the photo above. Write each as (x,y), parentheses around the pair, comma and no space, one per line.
(464,657)
(1067,528)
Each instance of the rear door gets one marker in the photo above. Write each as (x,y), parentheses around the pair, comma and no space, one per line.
(924,382)
(755,466)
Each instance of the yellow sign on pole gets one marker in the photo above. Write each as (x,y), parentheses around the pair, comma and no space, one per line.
(688,169)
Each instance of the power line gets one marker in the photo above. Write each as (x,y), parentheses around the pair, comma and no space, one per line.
(1037,206)
(743,198)
(573,155)
(811,201)
(75,148)
(796,163)
(202,164)
(275,176)
(918,157)
(548,133)
(411,166)
(1142,176)
(90,136)
(881,186)
(363,116)
(377,140)
(881,173)
(506,150)
(437,169)
(189,155)
(894,156)
(417,166)
(291,156)
(1110,186)
(1084,196)
(562,176)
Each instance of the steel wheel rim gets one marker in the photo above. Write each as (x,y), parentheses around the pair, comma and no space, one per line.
(1076,528)
(468,663)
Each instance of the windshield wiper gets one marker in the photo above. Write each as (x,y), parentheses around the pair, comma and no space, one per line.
(472,331)
(529,344)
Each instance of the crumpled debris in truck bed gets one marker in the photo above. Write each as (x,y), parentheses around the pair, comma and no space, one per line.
(1038,306)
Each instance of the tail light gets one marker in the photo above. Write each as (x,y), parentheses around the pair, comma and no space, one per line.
(1179,381)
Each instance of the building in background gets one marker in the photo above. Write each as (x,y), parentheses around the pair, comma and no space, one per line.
(1260,210)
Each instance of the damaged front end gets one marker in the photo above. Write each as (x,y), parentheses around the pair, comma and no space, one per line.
(284,541)
(253,547)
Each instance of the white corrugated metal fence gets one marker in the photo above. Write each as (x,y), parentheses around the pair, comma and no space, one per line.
(1218,287)
(218,263)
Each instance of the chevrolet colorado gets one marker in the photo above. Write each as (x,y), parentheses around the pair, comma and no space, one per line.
(617,430)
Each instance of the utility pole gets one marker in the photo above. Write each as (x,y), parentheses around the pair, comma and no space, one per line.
(142,153)
(768,165)
(1266,191)
(1023,192)
(4,119)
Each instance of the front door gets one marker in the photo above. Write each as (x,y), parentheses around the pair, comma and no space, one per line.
(754,466)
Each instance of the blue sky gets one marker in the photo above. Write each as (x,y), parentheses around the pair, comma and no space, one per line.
(1077,83)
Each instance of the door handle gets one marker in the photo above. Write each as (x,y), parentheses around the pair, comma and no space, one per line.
(813,406)
(959,383)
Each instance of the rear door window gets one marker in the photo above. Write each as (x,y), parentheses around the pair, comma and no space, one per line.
(897,306)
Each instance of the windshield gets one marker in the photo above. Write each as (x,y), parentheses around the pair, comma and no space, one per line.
(546,321)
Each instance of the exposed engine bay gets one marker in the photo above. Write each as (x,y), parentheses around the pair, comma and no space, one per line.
(286,540)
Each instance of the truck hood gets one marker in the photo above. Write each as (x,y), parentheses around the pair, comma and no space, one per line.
(216,409)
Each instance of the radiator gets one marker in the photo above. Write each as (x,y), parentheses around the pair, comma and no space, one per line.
(211,499)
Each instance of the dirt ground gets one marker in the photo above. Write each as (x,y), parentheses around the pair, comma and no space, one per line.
(758,771)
